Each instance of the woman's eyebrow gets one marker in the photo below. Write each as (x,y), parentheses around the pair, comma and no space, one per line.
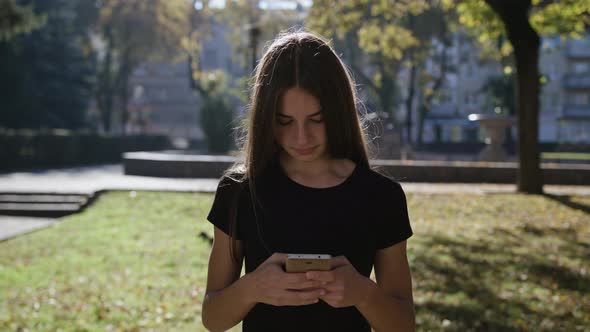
(309,116)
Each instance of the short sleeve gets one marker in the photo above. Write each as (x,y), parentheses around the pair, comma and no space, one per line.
(225,199)
(393,223)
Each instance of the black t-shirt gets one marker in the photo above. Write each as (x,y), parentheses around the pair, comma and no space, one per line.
(364,213)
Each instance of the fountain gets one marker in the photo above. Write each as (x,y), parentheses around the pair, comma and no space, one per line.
(494,127)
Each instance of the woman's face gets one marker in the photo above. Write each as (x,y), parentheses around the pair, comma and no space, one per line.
(299,127)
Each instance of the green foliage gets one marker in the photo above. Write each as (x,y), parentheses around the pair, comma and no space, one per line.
(499,91)
(522,22)
(135,261)
(568,18)
(27,149)
(16,19)
(216,121)
(216,111)
(374,38)
(385,28)
(47,77)
(135,31)
(249,30)
(379,37)
(143,30)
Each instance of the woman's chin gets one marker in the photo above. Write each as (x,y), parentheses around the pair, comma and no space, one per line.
(307,157)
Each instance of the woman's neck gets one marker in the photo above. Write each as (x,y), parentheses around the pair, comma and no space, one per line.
(318,173)
(313,168)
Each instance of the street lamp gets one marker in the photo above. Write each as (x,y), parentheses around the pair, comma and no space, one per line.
(254,35)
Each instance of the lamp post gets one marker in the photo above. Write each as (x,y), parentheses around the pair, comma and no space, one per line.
(254,35)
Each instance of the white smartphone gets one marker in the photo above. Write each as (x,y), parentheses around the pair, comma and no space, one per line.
(308,262)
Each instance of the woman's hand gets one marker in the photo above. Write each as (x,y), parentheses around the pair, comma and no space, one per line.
(344,286)
(272,285)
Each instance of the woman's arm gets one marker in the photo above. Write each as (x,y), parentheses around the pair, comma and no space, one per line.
(226,302)
(229,298)
(389,305)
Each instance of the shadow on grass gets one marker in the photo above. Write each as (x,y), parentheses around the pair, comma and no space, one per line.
(567,201)
(487,285)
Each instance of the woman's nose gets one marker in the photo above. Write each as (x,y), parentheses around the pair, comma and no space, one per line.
(302,135)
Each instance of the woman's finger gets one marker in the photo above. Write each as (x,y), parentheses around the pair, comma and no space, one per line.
(333,287)
(326,276)
(332,297)
(306,284)
(339,261)
(276,258)
(293,278)
(288,297)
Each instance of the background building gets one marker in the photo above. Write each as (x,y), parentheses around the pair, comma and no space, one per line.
(574,118)
(564,114)
(162,101)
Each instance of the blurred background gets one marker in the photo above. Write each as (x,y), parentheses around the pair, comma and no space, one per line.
(463,100)
(127,75)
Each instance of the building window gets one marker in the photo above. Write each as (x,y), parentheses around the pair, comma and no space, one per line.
(580,67)
(163,95)
(456,134)
(575,132)
(579,99)
(210,59)
(141,72)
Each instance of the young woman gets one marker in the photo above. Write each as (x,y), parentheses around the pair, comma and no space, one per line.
(305,187)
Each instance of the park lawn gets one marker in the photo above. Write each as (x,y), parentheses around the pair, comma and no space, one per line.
(135,262)
(566,155)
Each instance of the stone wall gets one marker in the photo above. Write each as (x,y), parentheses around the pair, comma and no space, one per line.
(202,166)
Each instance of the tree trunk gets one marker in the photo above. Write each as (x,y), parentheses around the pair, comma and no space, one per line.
(426,105)
(105,86)
(410,99)
(525,41)
(422,112)
(122,85)
(386,92)
(124,103)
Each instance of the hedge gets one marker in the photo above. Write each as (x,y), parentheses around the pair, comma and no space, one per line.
(24,149)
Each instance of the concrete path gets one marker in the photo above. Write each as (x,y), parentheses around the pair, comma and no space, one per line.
(92,179)
(88,180)
(12,226)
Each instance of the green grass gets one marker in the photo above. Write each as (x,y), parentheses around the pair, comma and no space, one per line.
(566,155)
(136,263)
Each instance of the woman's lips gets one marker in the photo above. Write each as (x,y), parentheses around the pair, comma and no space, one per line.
(306,151)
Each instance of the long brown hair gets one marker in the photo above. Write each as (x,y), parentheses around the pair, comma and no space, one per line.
(304,60)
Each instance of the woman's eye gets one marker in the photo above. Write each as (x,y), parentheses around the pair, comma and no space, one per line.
(284,123)
(319,120)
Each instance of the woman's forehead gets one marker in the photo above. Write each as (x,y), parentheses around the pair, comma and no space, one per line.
(298,102)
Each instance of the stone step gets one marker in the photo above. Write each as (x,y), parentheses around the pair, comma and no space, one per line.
(38,210)
(43,198)
(42,204)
